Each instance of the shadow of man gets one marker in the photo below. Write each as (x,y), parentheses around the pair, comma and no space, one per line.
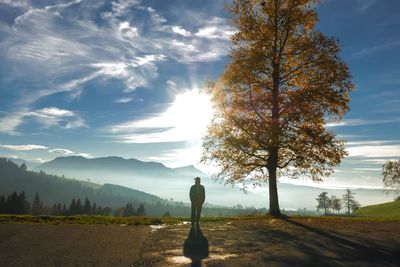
(195,246)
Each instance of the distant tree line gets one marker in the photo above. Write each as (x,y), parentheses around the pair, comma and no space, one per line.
(333,204)
(16,203)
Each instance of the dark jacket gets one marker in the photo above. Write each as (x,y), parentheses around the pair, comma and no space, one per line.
(197,194)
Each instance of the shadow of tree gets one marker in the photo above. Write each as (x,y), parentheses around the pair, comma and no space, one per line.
(351,251)
(196,246)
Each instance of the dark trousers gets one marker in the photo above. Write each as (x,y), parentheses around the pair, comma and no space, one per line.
(196,213)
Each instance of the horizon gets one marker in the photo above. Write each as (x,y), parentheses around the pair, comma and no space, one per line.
(126,77)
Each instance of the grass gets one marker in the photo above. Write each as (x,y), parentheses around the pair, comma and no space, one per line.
(389,209)
(86,219)
(109,220)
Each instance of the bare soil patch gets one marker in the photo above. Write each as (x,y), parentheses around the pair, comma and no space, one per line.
(70,245)
(250,242)
(274,242)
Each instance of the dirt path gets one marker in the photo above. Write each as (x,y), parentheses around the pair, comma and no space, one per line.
(276,243)
(255,242)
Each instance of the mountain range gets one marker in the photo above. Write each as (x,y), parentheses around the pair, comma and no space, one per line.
(155,178)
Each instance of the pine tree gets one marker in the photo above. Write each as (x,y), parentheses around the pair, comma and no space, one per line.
(78,206)
(88,207)
(94,209)
(72,207)
(37,205)
(141,211)
(349,201)
(23,166)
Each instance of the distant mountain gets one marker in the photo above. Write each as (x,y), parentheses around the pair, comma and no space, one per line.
(75,166)
(31,165)
(157,179)
(190,169)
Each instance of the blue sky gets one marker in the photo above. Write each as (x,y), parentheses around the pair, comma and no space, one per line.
(123,77)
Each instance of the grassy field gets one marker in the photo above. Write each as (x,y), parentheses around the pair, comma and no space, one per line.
(390,209)
(109,220)
(382,215)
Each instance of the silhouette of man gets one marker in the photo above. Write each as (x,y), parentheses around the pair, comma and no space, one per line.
(197,196)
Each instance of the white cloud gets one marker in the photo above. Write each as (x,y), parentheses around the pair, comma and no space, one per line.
(15,3)
(23,147)
(181,31)
(52,112)
(374,151)
(85,155)
(124,100)
(127,31)
(53,116)
(10,122)
(216,32)
(48,117)
(61,151)
(184,120)
(360,122)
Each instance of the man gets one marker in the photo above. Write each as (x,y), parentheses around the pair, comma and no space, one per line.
(197,196)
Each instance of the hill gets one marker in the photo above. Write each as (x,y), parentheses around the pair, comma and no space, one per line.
(54,188)
(390,209)
(59,189)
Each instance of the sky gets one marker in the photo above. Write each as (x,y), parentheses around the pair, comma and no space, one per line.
(125,77)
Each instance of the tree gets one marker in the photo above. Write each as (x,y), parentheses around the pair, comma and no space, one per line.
(350,202)
(23,167)
(37,205)
(78,206)
(285,81)
(391,176)
(336,204)
(87,207)
(72,207)
(141,211)
(324,202)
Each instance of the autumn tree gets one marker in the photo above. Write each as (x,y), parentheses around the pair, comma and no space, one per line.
(391,176)
(285,80)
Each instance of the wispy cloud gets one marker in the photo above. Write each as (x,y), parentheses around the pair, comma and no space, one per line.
(60,48)
(181,31)
(23,147)
(374,151)
(68,152)
(47,117)
(61,151)
(364,5)
(10,122)
(377,48)
(123,100)
(360,122)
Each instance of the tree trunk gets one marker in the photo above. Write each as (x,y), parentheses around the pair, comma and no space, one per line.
(273,192)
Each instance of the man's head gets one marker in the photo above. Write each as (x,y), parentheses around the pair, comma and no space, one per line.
(197,180)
